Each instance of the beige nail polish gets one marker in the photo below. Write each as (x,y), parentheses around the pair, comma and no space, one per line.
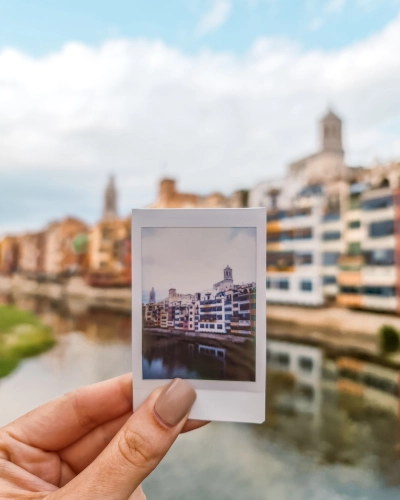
(175,401)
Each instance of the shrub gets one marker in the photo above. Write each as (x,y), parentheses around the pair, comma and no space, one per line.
(21,335)
(389,340)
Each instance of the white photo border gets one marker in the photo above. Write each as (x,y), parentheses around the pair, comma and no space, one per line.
(235,401)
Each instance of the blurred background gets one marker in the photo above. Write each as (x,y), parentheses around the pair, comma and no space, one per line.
(289,105)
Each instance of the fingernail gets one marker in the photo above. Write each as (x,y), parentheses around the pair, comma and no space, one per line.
(175,401)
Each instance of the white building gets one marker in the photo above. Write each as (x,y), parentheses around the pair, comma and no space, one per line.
(304,221)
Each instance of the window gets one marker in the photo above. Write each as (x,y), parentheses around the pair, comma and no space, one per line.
(219,317)
(302,234)
(377,203)
(381,228)
(331,216)
(201,325)
(379,257)
(253,305)
(280,259)
(219,327)
(281,358)
(253,317)
(306,285)
(330,258)
(350,290)
(212,325)
(354,248)
(228,316)
(354,202)
(379,291)
(354,224)
(307,391)
(306,364)
(329,280)
(331,235)
(276,215)
(282,284)
(303,259)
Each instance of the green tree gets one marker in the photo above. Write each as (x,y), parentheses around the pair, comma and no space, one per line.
(389,340)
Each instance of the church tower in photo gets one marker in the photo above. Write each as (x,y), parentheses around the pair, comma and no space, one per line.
(227,282)
(152,297)
(228,274)
(110,201)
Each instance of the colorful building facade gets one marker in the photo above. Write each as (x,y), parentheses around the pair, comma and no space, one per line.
(60,255)
(226,308)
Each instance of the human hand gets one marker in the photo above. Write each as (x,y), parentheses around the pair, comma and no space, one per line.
(88,445)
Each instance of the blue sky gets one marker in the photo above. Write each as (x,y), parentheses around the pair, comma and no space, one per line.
(45,25)
(219,94)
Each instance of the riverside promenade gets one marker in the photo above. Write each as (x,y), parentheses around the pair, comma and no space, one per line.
(331,326)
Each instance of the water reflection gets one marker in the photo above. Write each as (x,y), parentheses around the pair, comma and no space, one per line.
(207,359)
(331,429)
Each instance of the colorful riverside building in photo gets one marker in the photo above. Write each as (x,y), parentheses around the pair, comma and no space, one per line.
(333,231)
(226,308)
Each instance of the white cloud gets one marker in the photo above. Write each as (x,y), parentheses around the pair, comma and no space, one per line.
(220,121)
(215,17)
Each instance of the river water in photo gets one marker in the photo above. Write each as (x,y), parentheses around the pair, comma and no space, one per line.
(323,439)
(166,357)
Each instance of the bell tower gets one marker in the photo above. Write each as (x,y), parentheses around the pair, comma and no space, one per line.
(110,201)
(331,133)
(228,274)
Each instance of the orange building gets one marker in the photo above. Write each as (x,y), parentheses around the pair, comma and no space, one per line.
(109,253)
(31,253)
(60,255)
(169,197)
(9,255)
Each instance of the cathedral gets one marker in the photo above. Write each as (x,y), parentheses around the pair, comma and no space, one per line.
(110,201)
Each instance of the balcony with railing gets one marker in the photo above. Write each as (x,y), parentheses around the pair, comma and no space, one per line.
(351,262)
(350,270)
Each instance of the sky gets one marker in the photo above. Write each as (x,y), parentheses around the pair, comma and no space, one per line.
(193,259)
(219,94)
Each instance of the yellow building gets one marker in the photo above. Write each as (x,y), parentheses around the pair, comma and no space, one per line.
(109,253)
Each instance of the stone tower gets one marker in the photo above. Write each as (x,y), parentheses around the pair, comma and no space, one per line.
(331,133)
(152,297)
(110,201)
(228,274)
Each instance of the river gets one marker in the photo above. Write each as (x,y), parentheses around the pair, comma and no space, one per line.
(327,435)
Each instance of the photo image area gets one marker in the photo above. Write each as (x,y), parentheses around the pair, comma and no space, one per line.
(199,303)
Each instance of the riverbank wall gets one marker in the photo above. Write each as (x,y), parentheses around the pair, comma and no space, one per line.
(333,326)
(237,339)
(117,299)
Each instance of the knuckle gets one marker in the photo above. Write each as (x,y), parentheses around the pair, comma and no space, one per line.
(77,398)
(136,449)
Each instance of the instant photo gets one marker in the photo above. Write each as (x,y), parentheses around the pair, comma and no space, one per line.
(198,307)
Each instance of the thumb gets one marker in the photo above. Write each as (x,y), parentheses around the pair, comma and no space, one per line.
(137,448)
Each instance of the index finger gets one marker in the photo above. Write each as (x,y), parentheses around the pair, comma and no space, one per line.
(63,421)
